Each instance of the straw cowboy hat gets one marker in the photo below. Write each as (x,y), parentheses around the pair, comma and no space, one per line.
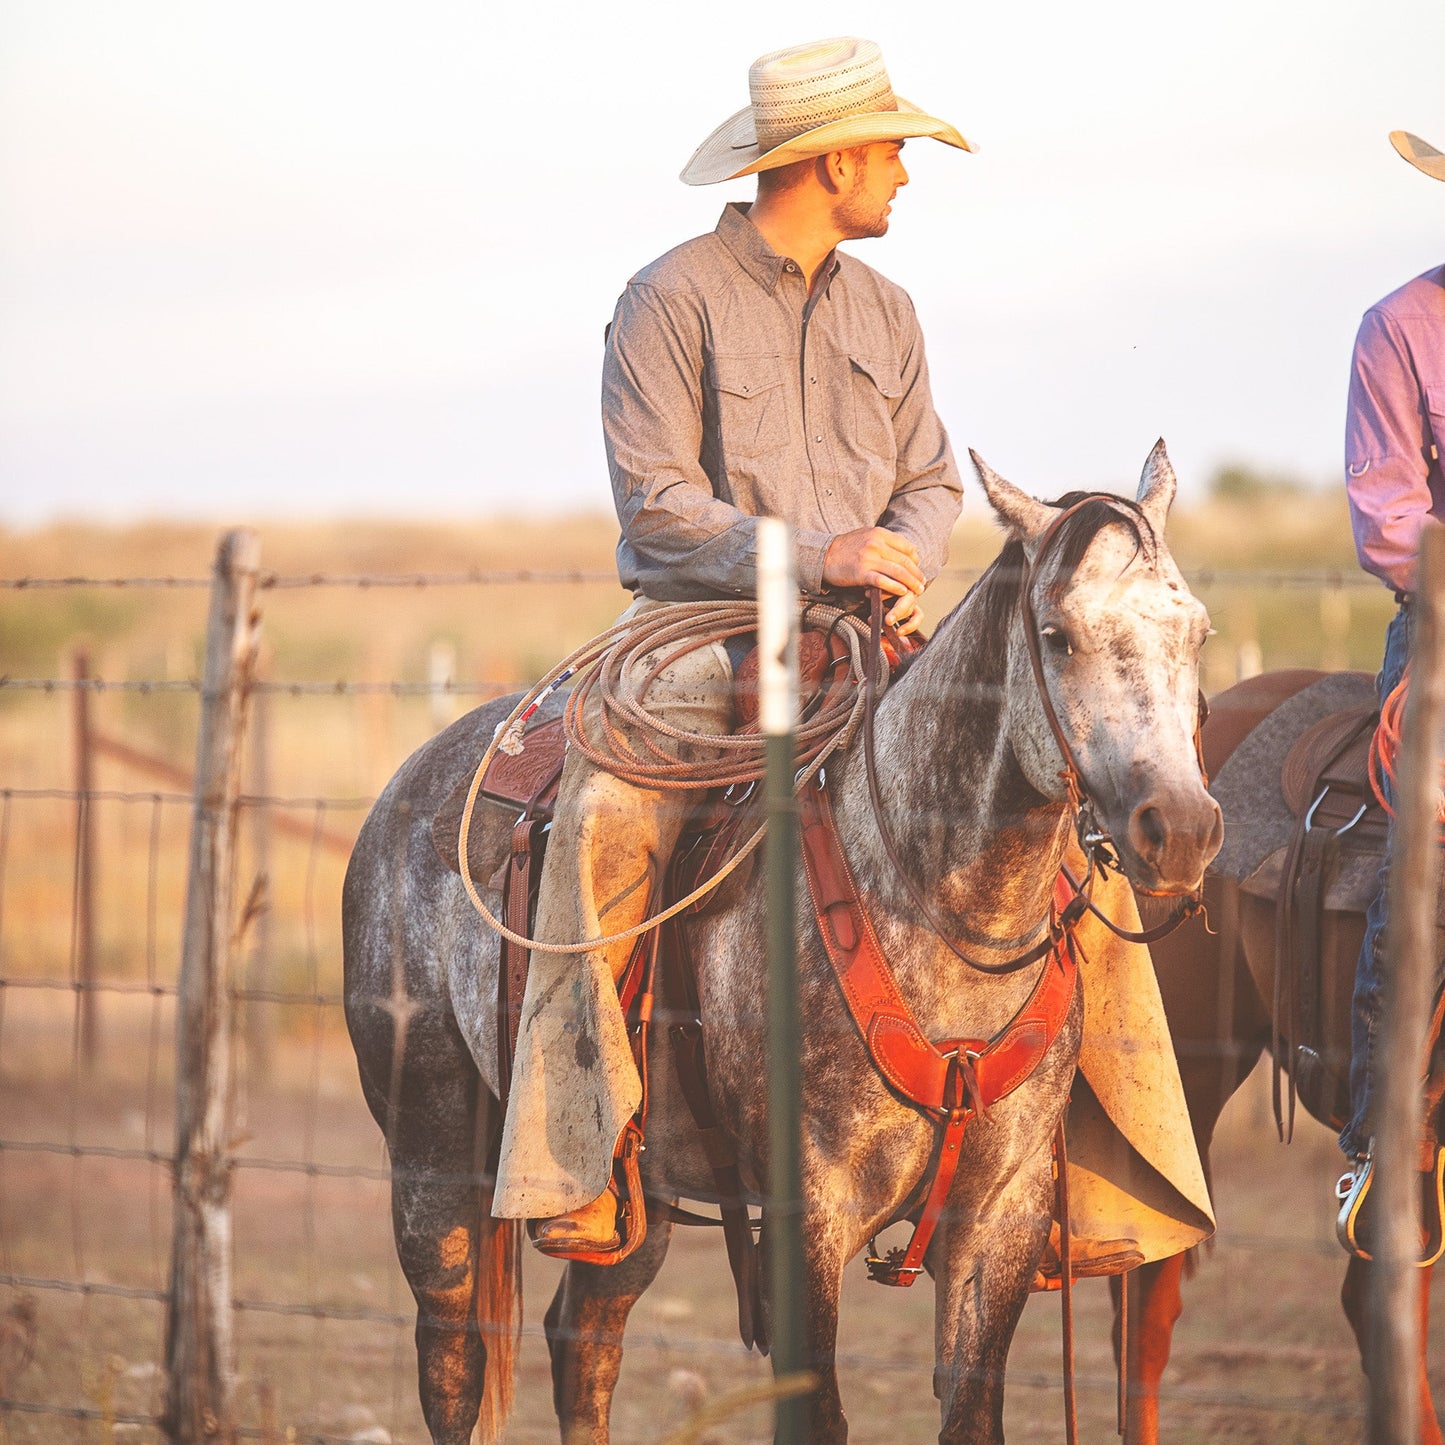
(808,100)
(1421,154)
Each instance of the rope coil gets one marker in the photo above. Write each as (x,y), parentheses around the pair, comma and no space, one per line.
(615,670)
(1385,748)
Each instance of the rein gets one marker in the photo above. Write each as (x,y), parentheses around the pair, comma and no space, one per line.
(1094,841)
(1053,931)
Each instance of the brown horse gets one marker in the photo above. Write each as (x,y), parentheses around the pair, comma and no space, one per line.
(1218,990)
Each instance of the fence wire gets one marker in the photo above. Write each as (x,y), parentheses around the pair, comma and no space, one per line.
(323,1318)
(1312,578)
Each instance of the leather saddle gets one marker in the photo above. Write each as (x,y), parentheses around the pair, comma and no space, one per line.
(1333,857)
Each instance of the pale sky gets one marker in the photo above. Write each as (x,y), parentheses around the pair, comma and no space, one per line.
(272,260)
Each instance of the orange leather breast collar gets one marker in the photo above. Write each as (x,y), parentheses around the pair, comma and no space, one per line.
(952,1081)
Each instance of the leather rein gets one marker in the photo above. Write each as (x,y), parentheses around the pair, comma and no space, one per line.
(1094,841)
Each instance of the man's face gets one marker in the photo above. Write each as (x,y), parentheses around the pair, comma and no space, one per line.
(878,173)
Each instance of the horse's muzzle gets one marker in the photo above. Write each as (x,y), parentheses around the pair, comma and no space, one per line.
(1170,841)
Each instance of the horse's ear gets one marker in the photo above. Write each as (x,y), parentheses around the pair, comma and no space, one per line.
(1026,516)
(1157,486)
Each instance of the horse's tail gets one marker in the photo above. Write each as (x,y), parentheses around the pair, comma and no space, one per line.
(499,1315)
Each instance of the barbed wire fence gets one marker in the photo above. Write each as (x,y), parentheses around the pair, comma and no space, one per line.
(93,888)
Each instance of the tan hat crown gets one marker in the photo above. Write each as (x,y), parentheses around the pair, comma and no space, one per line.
(803,87)
(807,100)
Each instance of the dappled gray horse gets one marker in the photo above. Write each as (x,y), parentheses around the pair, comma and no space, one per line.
(970,775)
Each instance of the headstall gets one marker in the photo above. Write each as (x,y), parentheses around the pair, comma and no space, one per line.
(1093,839)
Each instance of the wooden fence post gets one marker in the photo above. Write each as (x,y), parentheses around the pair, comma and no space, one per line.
(84,924)
(1414,883)
(199,1353)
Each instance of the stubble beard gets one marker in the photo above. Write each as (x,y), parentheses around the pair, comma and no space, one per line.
(857,218)
(855,215)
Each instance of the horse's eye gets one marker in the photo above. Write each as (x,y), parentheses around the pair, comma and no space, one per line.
(1057,640)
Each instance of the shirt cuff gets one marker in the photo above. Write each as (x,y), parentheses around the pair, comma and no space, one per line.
(811,548)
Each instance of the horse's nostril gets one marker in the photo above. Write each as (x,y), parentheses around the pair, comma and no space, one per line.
(1148,831)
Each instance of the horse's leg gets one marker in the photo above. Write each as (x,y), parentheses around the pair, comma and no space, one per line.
(435,1217)
(1155,1304)
(824,1258)
(983,1269)
(427,1103)
(584,1326)
(1354,1296)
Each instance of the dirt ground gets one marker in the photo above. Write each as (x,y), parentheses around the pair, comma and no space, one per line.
(323,1329)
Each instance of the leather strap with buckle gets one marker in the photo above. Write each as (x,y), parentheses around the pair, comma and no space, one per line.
(952,1082)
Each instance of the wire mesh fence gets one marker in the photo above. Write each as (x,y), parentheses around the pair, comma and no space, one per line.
(96,805)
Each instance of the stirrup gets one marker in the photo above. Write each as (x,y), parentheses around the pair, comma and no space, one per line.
(1355,1224)
(625,1186)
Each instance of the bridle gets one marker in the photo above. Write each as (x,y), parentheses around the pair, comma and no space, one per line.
(1093,839)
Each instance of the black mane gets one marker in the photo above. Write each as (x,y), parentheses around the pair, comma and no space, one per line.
(996,594)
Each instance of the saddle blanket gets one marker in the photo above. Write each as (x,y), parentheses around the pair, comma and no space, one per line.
(1258,822)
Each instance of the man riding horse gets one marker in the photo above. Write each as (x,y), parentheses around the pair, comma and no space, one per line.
(760,371)
(1394,430)
(754,371)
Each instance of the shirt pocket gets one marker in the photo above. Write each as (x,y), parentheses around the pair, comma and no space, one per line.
(752,411)
(877,390)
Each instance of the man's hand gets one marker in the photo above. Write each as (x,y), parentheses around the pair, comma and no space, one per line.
(876,557)
(873,557)
(905,615)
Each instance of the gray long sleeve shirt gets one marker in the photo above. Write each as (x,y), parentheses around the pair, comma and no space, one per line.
(728,393)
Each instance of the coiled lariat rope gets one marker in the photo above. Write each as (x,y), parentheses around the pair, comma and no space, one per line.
(1385,747)
(616,668)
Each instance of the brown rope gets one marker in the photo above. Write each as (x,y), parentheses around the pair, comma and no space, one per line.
(620,680)
(616,668)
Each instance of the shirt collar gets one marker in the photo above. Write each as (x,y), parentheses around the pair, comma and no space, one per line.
(750,249)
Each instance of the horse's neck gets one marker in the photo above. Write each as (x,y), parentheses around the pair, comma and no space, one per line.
(981,844)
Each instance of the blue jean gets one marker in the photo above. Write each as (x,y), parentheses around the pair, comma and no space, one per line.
(1369,971)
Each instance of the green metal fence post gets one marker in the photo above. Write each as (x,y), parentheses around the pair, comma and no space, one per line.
(778,652)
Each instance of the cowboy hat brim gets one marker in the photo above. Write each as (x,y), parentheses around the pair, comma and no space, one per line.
(732,150)
(1421,154)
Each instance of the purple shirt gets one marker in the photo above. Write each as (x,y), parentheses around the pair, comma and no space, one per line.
(1395,427)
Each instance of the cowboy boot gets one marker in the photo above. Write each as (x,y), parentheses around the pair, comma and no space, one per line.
(592,1229)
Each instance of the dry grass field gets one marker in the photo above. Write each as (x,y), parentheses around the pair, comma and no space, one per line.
(323,1342)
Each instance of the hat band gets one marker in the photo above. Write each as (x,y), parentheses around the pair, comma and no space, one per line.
(800,117)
